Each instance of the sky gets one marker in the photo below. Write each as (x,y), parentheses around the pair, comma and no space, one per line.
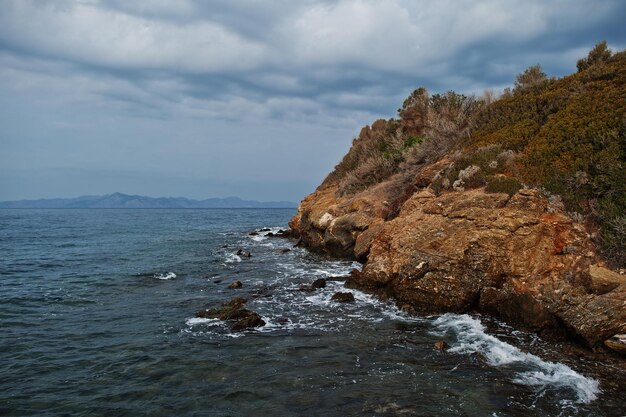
(252,98)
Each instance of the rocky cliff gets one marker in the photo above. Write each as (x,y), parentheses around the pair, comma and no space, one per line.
(443,214)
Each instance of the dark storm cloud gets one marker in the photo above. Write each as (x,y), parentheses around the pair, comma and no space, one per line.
(308,50)
(285,71)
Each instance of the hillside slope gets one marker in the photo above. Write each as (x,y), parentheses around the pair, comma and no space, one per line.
(513,206)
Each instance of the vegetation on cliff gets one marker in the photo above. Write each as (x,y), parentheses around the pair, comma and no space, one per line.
(566,136)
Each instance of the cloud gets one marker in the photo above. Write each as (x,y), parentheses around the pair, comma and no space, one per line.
(314,70)
(253,52)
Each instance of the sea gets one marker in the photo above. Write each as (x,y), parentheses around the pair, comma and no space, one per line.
(97,318)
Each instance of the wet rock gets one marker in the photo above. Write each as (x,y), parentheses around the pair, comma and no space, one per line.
(265,229)
(318,283)
(442,345)
(338,278)
(284,250)
(262,293)
(235,284)
(270,234)
(239,252)
(234,311)
(284,233)
(250,320)
(343,297)
(617,343)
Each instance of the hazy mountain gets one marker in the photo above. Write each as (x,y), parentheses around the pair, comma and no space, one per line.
(119,200)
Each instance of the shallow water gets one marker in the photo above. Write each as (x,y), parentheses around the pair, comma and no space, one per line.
(97,318)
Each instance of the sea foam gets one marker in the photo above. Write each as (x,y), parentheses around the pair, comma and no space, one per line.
(471,338)
(167,275)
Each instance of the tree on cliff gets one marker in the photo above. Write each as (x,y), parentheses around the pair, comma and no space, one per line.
(600,53)
(531,77)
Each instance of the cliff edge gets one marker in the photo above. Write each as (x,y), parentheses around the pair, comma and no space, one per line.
(513,207)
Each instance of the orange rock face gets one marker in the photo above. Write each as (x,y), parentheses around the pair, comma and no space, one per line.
(517,257)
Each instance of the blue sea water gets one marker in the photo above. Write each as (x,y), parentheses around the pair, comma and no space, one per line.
(97,319)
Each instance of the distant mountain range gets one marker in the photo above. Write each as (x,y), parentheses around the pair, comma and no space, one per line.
(119,200)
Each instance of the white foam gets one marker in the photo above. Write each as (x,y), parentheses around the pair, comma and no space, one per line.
(261,236)
(168,275)
(200,320)
(471,337)
(231,257)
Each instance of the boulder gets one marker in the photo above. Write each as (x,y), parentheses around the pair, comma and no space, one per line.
(319,283)
(604,280)
(617,343)
(234,312)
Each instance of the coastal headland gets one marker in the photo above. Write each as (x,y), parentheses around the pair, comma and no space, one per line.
(511,205)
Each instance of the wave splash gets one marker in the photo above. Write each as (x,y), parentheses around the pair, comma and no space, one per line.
(471,338)
(166,276)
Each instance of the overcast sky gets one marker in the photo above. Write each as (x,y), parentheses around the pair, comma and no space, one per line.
(253,98)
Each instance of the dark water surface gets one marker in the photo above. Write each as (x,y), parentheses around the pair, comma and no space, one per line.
(97,319)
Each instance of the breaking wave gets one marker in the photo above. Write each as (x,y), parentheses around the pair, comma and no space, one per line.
(471,338)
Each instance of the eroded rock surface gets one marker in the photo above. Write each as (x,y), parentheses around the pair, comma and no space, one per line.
(519,257)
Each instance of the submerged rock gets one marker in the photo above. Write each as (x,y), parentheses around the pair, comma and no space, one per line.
(343,297)
(235,284)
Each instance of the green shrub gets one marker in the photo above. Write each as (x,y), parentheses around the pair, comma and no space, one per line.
(502,184)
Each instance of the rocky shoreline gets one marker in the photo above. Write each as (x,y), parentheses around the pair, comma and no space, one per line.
(519,257)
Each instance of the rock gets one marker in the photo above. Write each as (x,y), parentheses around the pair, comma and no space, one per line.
(517,257)
(270,234)
(253,234)
(617,343)
(283,250)
(265,229)
(604,280)
(441,345)
(239,252)
(227,311)
(263,292)
(284,233)
(235,284)
(235,312)
(248,321)
(318,283)
(343,297)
